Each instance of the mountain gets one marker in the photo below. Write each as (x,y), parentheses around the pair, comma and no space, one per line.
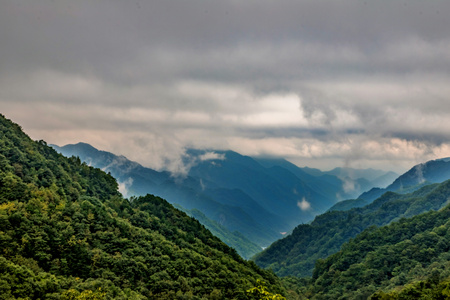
(67,233)
(422,174)
(339,183)
(243,246)
(276,189)
(348,204)
(297,253)
(368,174)
(188,194)
(259,198)
(407,259)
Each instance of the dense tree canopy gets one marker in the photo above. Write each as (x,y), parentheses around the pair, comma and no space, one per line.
(407,259)
(296,254)
(66,233)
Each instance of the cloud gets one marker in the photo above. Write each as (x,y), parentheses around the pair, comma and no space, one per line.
(322,83)
(348,184)
(212,156)
(124,187)
(304,205)
(419,172)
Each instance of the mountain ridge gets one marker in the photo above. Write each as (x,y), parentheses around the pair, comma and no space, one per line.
(188,192)
(431,171)
(67,233)
(261,198)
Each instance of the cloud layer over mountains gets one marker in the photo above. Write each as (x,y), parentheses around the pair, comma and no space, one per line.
(322,83)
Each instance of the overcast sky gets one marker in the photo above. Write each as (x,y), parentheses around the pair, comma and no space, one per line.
(321,83)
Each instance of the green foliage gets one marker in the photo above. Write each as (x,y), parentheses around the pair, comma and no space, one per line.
(428,289)
(66,233)
(73,294)
(400,255)
(260,292)
(297,254)
(348,204)
(243,246)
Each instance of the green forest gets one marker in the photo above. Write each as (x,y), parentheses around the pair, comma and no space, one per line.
(408,259)
(297,254)
(67,233)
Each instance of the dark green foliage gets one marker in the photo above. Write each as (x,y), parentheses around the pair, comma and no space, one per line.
(66,233)
(297,253)
(431,289)
(402,253)
(348,204)
(24,162)
(232,208)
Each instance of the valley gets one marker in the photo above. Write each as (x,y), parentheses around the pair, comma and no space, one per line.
(64,217)
(254,200)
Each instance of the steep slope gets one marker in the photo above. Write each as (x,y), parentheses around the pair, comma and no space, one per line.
(390,257)
(243,246)
(66,233)
(240,193)
(297,253)
(235,212)
(133,177)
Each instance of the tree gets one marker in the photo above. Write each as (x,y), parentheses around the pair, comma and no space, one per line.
(260,292)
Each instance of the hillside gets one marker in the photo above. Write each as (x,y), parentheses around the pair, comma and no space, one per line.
(258,198)
(276,189)
(67,233)
(420,175)
(233,210)
(297,253)
(408,259)
(433,171)
(234,239)
(339,183)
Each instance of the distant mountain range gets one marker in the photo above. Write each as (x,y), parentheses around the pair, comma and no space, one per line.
(297,253)
(259,198)
(420,175)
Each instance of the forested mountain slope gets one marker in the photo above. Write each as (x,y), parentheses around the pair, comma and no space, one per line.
(408,259)
(297,253)
(67,233)
(258,198)
(235,239)
(233,209)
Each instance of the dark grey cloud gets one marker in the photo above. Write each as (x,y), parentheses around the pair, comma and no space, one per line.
(310,80)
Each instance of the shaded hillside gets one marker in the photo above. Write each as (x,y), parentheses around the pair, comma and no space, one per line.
(237,213)
(339,183)
(297,253)
(66,233)
(275,189)
(422,174)
(243,246)
(240,193)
